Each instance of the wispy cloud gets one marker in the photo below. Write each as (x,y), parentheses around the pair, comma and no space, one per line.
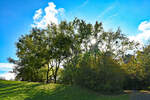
(50,15)
(109,12)
(84,3)
(144,35)
(111,16)
(38,14)
(6,67)
(106,11)
(81,5)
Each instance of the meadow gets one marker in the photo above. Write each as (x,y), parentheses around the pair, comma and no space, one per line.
(17,90)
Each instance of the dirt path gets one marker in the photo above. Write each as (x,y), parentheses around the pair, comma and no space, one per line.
(136,95)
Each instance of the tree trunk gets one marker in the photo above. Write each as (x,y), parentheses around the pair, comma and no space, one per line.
(55,77)
(56,71)
(47,76)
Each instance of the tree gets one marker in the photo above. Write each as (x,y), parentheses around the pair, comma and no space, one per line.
(43,48)
(29,53)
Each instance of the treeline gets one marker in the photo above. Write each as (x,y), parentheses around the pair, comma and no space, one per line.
(80,53)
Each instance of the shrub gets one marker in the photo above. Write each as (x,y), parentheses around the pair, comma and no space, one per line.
(100,73)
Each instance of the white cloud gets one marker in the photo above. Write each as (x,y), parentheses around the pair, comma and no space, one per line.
(50,15)
(144,35)
(38,14)
(8,76)
(6,67)
(144,26)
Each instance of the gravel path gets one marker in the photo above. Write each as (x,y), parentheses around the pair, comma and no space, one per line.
(140,96)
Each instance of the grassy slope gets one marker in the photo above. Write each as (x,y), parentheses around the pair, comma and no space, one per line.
(15,90)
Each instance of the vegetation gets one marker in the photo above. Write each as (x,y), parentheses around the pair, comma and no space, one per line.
(102,74)
(83,54)
(16,90)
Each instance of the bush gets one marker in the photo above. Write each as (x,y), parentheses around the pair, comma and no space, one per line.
(99,73)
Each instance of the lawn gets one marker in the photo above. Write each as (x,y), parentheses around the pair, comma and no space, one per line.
(16,90)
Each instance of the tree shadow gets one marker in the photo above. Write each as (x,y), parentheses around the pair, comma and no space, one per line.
(15,88)
(52,94)
(62,92)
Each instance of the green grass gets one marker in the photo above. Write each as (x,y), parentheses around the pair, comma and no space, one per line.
(15,90)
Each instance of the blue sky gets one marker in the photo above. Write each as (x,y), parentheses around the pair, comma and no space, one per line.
(18,16)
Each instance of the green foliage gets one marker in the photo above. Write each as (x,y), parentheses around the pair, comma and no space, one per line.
(134,74)
(137,70)
(102,74)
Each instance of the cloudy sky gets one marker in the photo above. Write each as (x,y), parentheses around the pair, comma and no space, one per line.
(17,17)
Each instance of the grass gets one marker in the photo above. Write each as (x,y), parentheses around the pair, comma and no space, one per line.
(16,90)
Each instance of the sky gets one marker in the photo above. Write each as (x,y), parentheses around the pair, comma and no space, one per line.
(17,17)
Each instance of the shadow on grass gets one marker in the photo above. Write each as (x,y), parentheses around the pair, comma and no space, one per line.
(62,92)
(36,91)
(51,94)
(7,89)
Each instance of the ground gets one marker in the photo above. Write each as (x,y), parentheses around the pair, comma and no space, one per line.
(140,95)
(15,90)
